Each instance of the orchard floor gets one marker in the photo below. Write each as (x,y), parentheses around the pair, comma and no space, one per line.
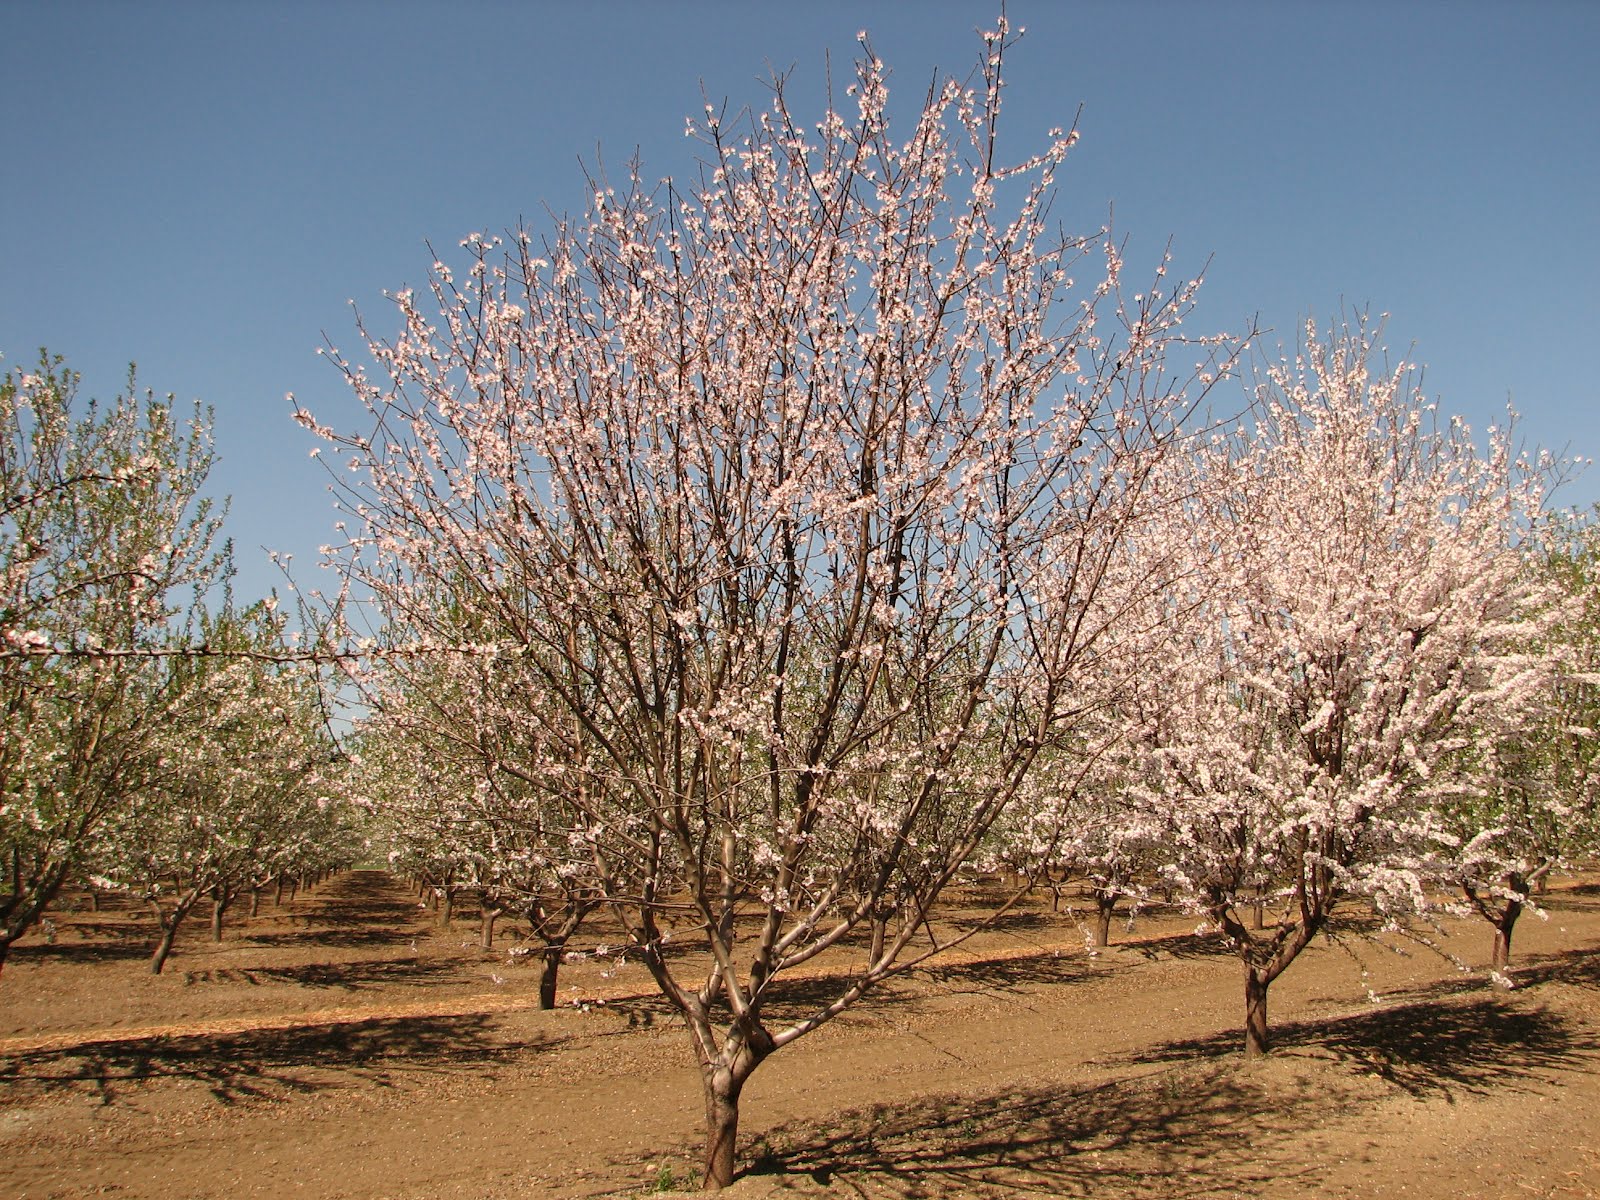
(342,1047)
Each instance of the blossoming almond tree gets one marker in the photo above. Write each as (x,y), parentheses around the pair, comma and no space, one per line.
(791,505)
(103,526)
(234,786)
(1532,804)
(1074,819)
(1358,612)
(441,770)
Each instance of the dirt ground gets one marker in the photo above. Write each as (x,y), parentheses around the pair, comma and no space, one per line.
(341,1046)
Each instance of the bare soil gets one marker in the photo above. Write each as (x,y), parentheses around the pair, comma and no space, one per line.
(343,1046)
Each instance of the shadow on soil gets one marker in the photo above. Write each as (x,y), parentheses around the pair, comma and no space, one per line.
(1019,974)
(793,999)
(362,908)
(345,976)
(271,1062)
(1472,1045)
(1584,897)
(1019,920)
(1203,1122)
(1579,968)
(125,949)
(1176,1132)
(334,935)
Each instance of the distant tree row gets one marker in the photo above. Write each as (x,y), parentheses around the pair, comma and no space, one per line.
(757,556)
(157,740)
(768,551)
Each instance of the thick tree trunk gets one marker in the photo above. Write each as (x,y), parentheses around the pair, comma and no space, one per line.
(722,1128)
(170,921)
(1502,915)
(880,930)
(1105,904)
(278,898)
(548,974)
(447,906)
(488,916)
(219,906)
(1502,935)
(255,901)
(158,960)
(1255,1013)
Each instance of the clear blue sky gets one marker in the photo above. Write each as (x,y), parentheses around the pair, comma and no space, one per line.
(204,187)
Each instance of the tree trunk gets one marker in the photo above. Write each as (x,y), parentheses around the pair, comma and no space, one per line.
(163,948)
(1105,904)
(168,922)
(255,901)
(488,917)
(278,899)
(548,974)
(447,906)
(1255,1013)
(1502,935)
(722,1127)
(880,929)
(220,899)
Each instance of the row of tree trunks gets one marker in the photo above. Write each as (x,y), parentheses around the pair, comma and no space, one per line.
(170,918)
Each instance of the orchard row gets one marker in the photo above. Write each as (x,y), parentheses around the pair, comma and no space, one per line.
(767,551)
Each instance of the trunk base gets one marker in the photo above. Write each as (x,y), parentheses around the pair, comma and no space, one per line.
(1256,1043)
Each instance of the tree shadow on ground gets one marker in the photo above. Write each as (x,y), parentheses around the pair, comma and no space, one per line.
(1178,945)
(1017,975)
(345,976)
(1016,921)
(1583,898)
(789,998)
(135,944)
(1579,968)
(1191,1118)
(342,936)
(360,908)
(267,1063)
(1173,1132)
(1426,1047)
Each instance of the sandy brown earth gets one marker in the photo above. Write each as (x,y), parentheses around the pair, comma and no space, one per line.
(342,1047)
